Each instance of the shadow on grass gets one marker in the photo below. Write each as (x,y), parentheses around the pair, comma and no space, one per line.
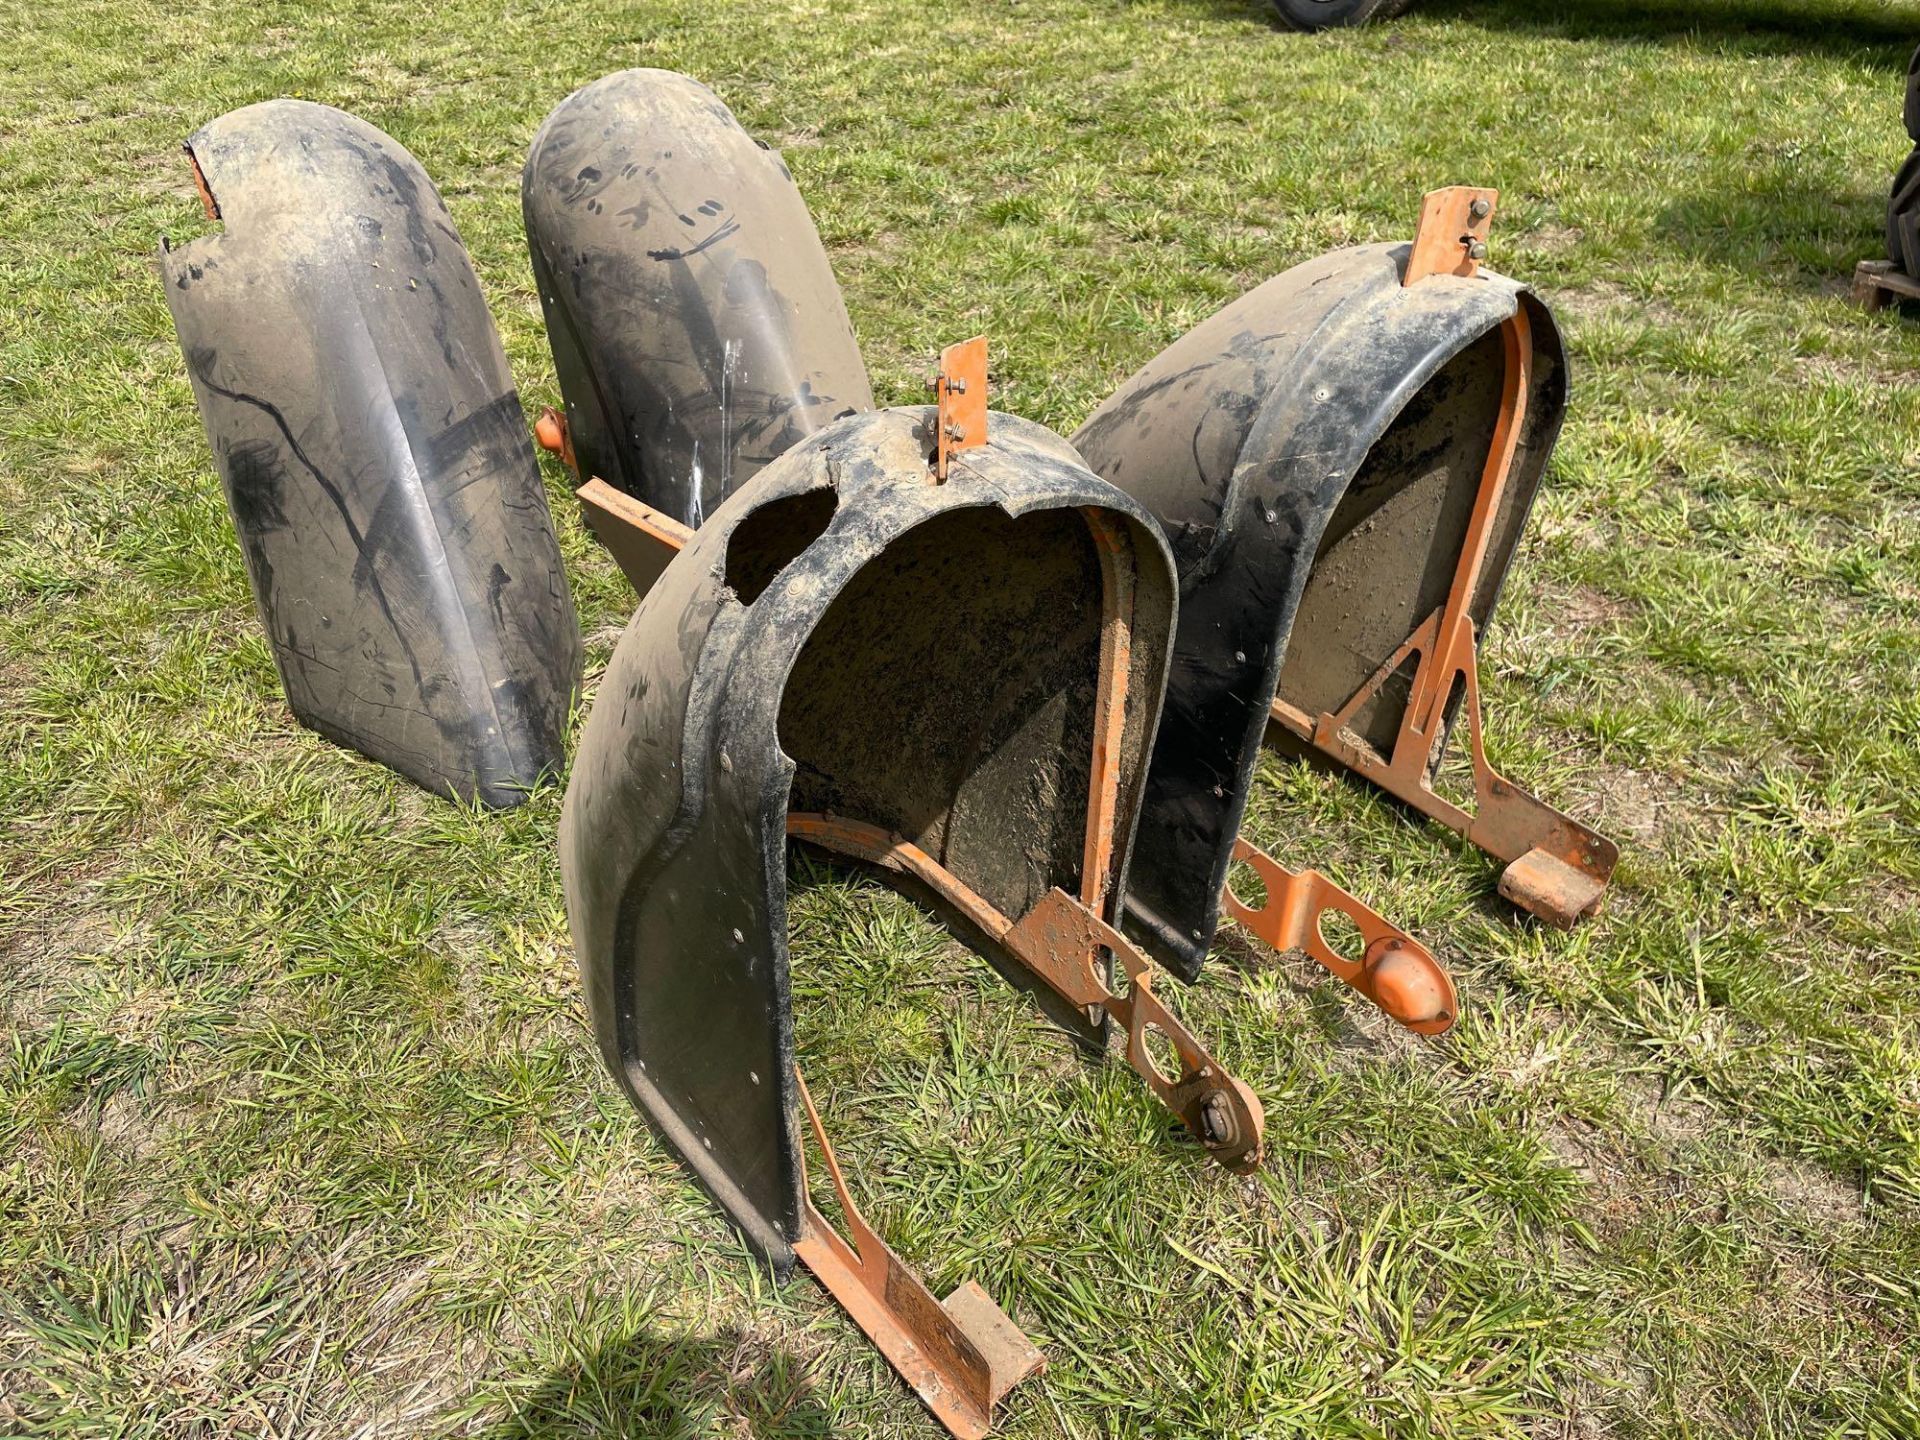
(1859,29)
(1778,226)
(643,1384)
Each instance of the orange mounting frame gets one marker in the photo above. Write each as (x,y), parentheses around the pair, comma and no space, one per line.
(1394,971)
(1110,707)
(1451,238)
(960,398)
(962,1355)
(641,539)
(1557,868)
(1063,940)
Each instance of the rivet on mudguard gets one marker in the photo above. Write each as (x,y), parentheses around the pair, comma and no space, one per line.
(374,454)
(1340,460)
(955,684)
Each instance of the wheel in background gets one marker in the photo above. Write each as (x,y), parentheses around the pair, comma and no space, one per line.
(1325,14)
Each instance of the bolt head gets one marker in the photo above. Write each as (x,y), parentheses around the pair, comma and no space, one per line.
(1216,1120)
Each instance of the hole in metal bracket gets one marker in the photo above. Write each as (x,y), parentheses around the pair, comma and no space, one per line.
(1246,887)
(1342,934)
(1162,1054)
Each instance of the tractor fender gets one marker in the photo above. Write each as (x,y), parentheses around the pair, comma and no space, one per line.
(374,454)
(841,637)
(697,331)
(1312,451)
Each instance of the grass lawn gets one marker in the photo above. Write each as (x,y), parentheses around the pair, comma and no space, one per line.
(301,1132)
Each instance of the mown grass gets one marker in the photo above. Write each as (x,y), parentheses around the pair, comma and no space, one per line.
(300,1128)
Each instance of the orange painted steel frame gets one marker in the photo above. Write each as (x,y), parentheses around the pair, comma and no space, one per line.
(1062,941)
(960,400)
(1394,971)
(1414,989)
(960,1356)
(1557,868)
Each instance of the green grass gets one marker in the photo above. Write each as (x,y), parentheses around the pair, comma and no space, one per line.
(301,1132)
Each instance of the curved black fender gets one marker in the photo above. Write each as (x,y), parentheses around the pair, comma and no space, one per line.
(844,639)
(697,331)
(1313,451)
(1912,111)
(374,454)
(1903,216)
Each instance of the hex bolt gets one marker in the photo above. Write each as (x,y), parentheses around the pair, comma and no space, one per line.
(1216,1120)
(1480,209)
(1477,250)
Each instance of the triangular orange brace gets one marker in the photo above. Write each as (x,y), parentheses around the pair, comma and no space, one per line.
(960,1356)
(1557,868)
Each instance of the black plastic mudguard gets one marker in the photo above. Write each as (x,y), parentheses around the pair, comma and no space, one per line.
(842,636)
(1912,111)
(1903,216)
(1313,451)
(697,331)
(374,454)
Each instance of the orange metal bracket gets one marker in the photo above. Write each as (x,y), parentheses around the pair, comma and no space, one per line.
(960,1356)
(1394,971)
(1451,238)
(207,202)
(551,434)
(1557,868)
(1110,705)
(960,393)
(640,538)
(1060,940)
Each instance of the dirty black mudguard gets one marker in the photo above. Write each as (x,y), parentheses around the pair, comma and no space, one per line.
(844,637)
(696,327)
(1312,451)
(374,454)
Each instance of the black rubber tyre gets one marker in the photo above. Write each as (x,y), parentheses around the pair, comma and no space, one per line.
(1326,14)
(1903,216)
(1913,97)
